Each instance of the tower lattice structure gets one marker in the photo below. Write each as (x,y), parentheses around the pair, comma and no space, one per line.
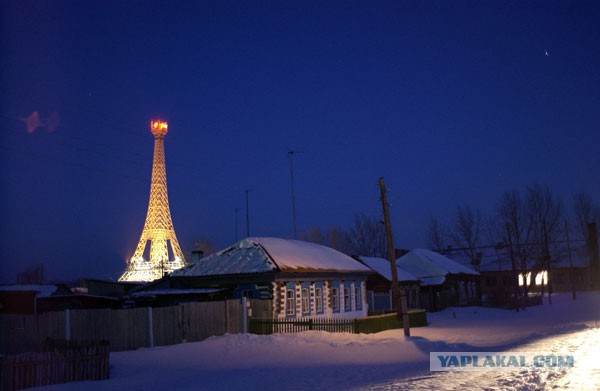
(158,228)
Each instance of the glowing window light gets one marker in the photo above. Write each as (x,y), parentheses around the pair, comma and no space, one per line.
(527,279)
(541,278)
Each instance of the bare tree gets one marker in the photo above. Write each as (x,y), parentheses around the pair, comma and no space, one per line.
(332,237)
(205,245)
(546,215)
(338,239)
(514,217)
(466,232)
(437,236)
(31,275)
(312,234)
(367,236)
(585,211)
(532,225)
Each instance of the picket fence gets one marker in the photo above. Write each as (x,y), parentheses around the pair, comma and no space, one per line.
(57,363)
(276,326)
(371,324)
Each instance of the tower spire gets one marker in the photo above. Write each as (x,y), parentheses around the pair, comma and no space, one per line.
(158,228)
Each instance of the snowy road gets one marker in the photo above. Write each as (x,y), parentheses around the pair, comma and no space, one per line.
(583,345)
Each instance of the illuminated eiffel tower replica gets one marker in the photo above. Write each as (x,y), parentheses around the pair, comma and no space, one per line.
(158,229)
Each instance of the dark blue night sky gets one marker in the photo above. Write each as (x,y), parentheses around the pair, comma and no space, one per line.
(452,102)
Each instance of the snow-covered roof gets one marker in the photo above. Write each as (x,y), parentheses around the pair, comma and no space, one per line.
(426,263)
(166,292)
(259,255)
(245,256)
(382,266)
(43,290)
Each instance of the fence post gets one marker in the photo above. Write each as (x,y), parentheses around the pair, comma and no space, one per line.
(150,328)
(244,315)
(67,324)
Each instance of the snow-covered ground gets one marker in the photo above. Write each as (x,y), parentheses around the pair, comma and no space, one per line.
(323,361)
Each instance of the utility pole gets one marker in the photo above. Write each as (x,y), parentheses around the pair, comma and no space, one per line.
(247,215)
(517,291)
(547,259)
(401,307)
(290,154)
(571,274)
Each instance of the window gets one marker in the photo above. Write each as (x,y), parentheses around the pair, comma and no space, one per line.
(357,297)
(319,300)
(290,302)
(335,299)
(305,301)
(347,303)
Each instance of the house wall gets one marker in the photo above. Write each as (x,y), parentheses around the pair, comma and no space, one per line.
(380,301)
(300,299)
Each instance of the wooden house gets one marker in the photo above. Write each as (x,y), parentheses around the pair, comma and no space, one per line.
(443,281)
(565,271)
(301,279)
(379,286)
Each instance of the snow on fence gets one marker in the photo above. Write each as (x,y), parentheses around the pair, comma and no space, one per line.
(371,324)
(59,362)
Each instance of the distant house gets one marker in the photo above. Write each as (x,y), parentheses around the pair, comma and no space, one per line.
(25,298)
(498,278)
(379,290)
(301,279)
(106,288)
(444,282)
(40,298)
(159,295)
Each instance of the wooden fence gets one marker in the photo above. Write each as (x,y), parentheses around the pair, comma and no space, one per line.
(57,363)
(371,324)
(275,326)
(127,329)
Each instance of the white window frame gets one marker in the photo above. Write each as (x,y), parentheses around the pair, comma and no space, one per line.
(357,297)
(290,302)
(335,299)
(305,297)
(319,299)
(347,302)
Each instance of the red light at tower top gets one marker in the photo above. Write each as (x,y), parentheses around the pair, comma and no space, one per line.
(159,128)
